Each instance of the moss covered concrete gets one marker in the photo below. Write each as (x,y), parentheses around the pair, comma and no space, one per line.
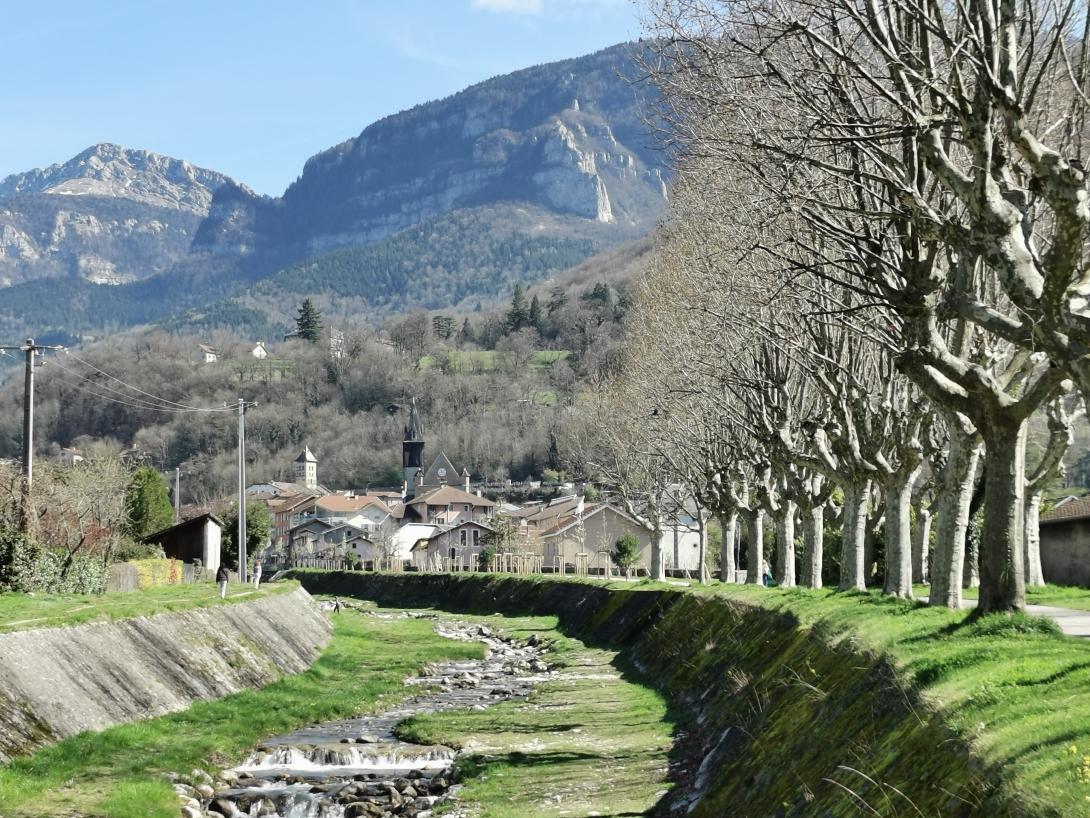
(787,722)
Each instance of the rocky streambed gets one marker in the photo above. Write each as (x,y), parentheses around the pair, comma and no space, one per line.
(358,767)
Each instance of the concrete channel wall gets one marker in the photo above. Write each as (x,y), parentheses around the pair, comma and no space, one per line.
(56,682)
(778,721)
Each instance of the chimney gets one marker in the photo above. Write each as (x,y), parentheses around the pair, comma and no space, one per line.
(465,480)
(580,506)
(418,480)
(404,489)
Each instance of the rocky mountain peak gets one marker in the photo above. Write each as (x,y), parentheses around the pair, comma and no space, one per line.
(113,171)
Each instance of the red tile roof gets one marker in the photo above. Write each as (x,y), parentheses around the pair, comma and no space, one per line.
(1068,509)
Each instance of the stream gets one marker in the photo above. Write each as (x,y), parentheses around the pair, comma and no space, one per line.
(358,767)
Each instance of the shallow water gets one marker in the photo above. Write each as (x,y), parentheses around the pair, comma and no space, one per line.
(358,767)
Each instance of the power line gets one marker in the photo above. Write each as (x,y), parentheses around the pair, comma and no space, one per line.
(141,391)
(129,403)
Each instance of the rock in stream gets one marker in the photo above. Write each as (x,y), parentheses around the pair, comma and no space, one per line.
(357,768)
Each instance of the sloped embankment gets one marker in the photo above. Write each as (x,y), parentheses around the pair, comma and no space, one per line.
(56,682)
(784,722)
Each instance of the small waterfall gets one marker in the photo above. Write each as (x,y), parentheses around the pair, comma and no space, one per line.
(358,767)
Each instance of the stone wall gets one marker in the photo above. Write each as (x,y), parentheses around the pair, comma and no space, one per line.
(1065,552)
(56,682)
(780,720)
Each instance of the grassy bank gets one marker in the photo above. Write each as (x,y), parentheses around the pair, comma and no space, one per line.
(893,704)
(119,773)
(25,611)
(1011,686)
(1057,596)
(587,742)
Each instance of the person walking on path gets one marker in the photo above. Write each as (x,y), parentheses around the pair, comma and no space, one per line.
(257,574)
(221,577)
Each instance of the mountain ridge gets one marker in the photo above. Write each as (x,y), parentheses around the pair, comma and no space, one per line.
(565,141)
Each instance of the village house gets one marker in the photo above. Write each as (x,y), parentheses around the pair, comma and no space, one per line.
(588,540)
(454,547)
(191,540)
(1065,542)
(259,351)
(363,512)
(209,355)
(319,538)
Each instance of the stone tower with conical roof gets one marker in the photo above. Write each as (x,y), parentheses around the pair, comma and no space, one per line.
(305,469)
(412,450)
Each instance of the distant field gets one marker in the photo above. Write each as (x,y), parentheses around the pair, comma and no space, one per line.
(485,360)
(26,611)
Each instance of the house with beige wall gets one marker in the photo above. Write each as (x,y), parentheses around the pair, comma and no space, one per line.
(594,534)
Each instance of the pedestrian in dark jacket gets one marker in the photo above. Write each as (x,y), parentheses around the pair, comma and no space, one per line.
(221,577)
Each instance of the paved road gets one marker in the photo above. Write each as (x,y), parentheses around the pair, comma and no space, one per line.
(1071,621)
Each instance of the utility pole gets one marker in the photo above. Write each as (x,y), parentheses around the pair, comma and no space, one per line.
(242,407)
(177,495)
(29,348)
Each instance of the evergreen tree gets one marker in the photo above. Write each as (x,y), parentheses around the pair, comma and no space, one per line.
(258,526)
(518,316)
(626,552)
(467,335)
(309,322)
(557,299)
(534,316)
(147,503)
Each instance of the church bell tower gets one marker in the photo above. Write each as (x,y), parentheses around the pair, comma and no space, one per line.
(412,450)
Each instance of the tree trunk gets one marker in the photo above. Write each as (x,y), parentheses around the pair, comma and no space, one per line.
(853,547)
(952,523)
(971,574)
(785,544)
(729,523)
(677,542)
(755,546)
(657,569)
(897,494)
(1034,573)
(921,544)
(1002,575)
(870,546)
(813,543)
(702,556)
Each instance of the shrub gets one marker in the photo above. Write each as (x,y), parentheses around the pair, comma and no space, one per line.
(28,566)
(1014,624)
(626,551)
(155,573)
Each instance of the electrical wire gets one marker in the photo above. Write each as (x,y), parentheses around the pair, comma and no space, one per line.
(182,406)
(131,405)
(163,405)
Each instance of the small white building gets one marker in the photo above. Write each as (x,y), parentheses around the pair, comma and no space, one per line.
(305,469)
(259,351)
(209,354)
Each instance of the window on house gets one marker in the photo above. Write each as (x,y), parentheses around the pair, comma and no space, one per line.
(463,537)
(476,538)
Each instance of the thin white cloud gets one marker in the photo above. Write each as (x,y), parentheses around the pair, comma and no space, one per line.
(509,6)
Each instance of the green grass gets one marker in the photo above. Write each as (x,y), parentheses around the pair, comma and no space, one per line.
(487,360)
(120,772)
(1057,596)
(25,611)
(1011,686)
(577,746)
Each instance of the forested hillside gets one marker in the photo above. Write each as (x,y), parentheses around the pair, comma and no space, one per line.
(486,398)
(456,261)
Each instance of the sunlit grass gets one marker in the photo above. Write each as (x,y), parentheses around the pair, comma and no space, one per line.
(24,611)
(120,772)
(577,746)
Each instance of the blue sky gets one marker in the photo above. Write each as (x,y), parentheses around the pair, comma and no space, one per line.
(255,87)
